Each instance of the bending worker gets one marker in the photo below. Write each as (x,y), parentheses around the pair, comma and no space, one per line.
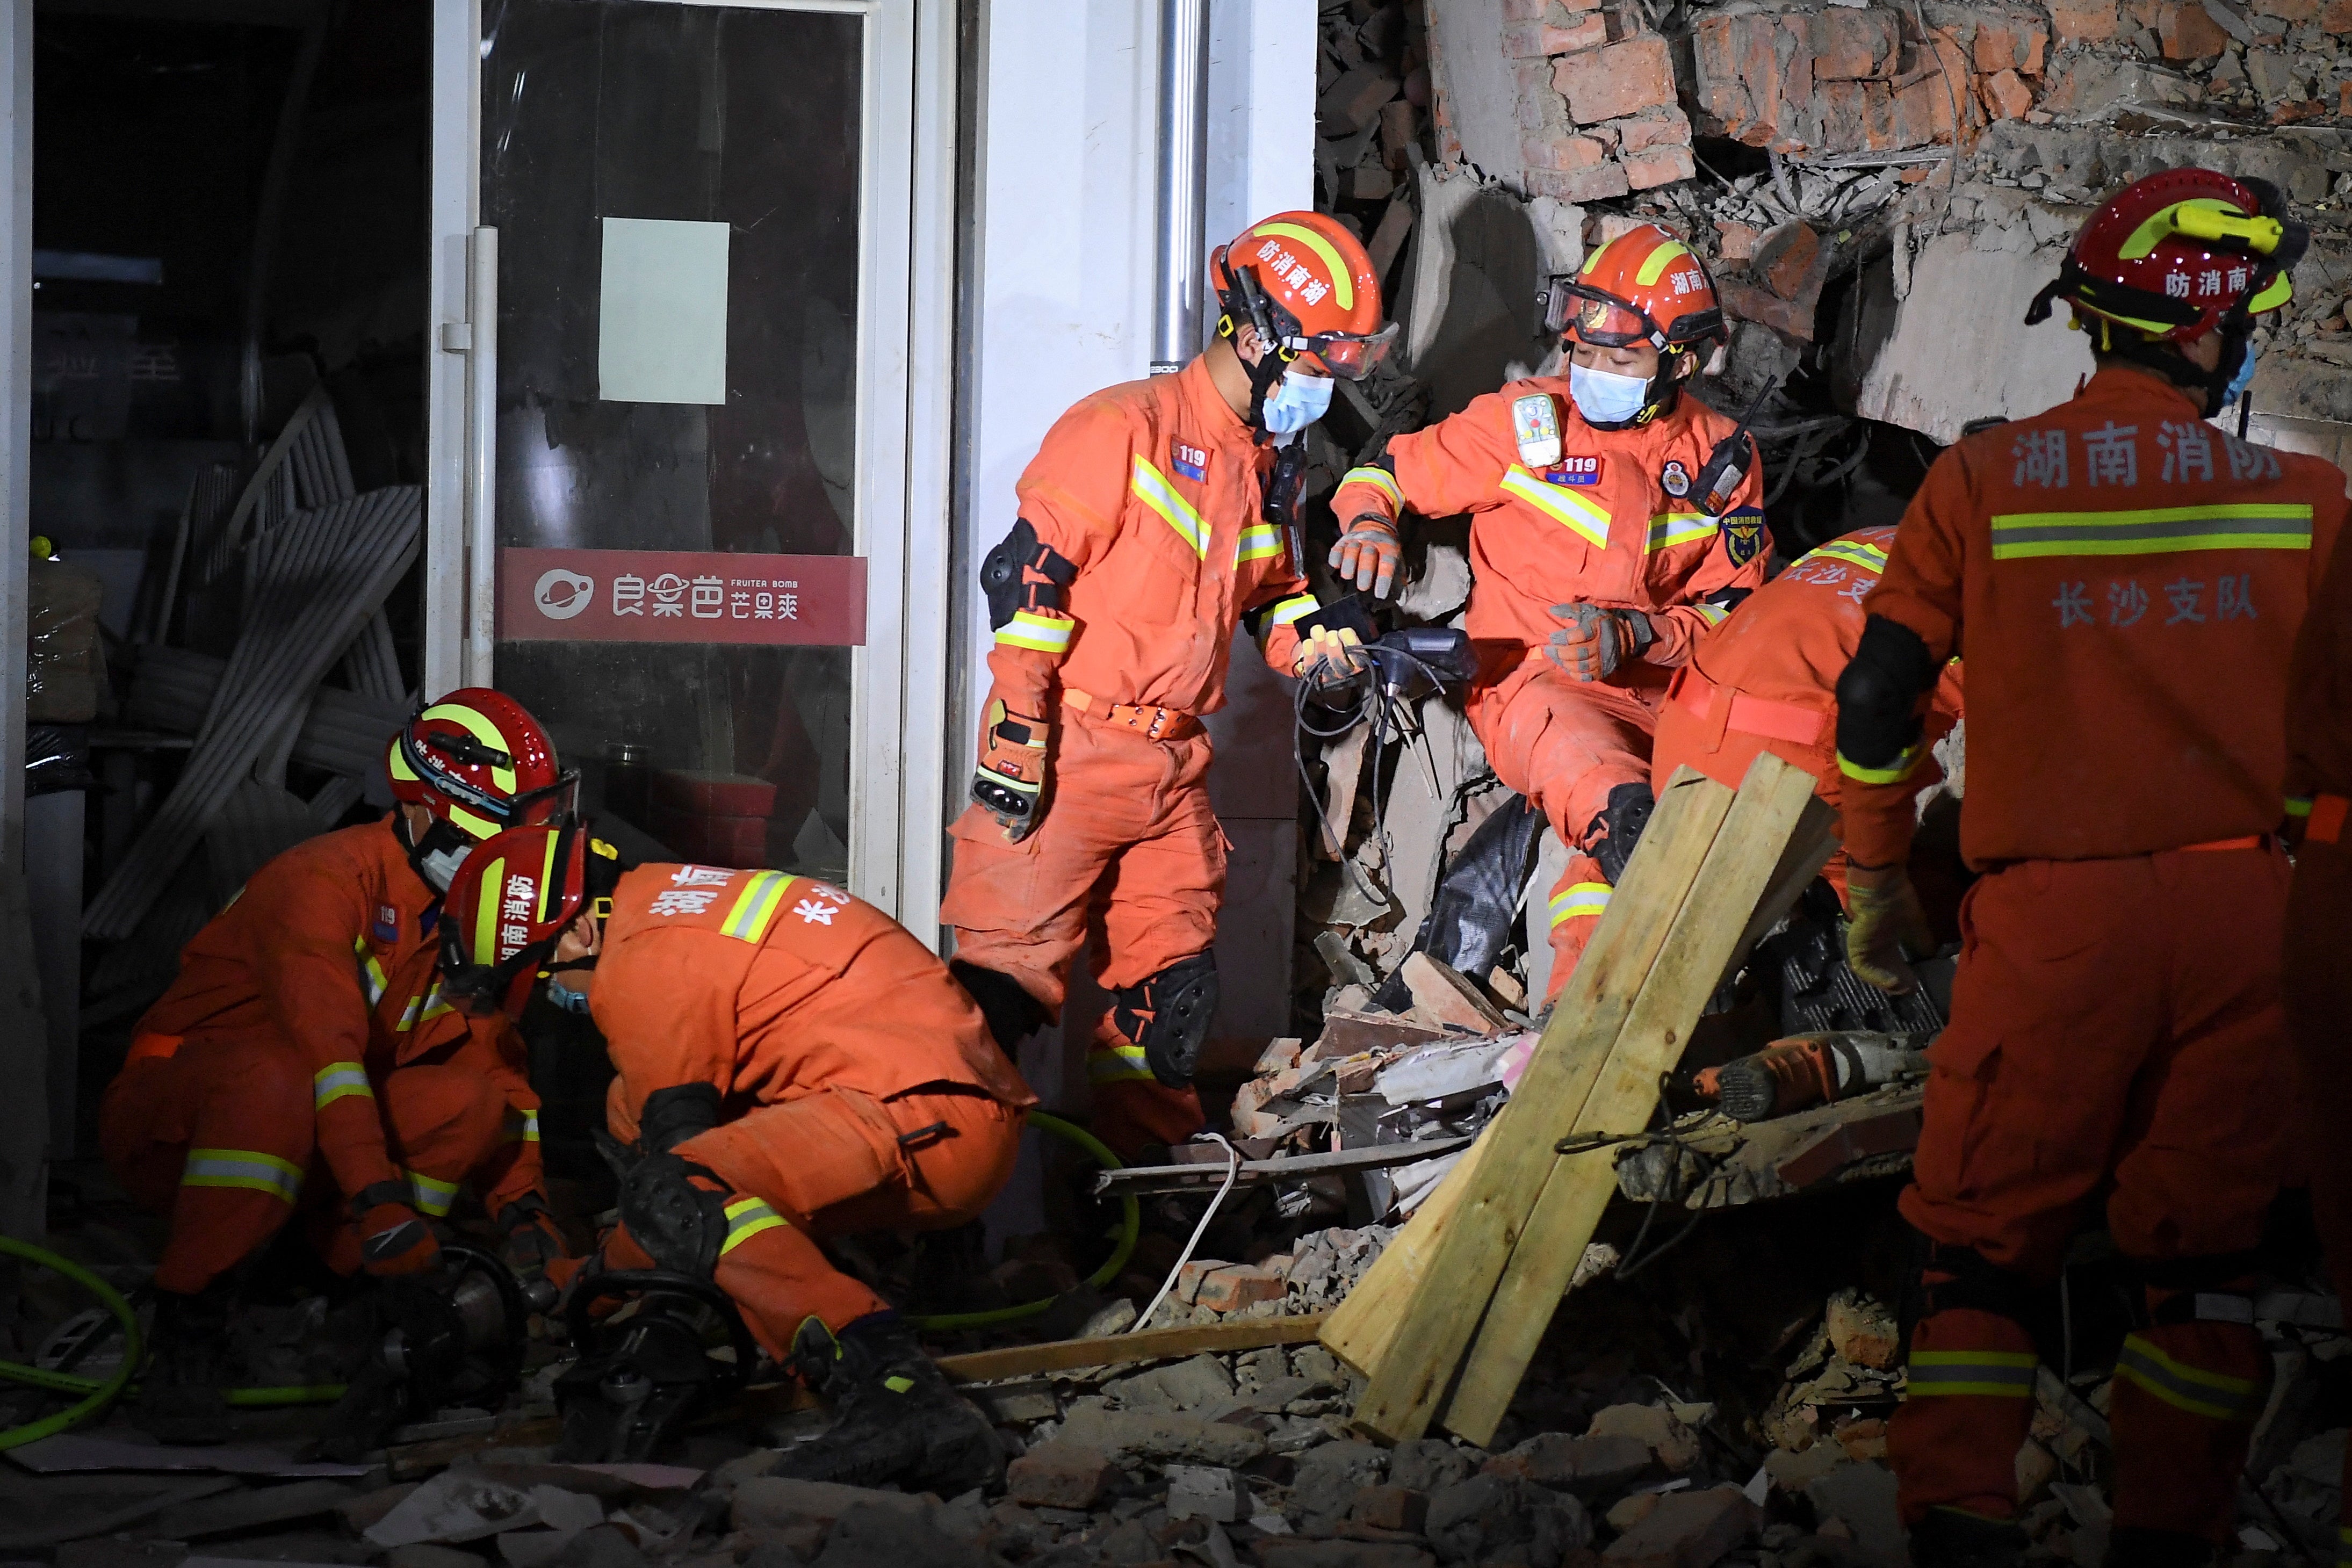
(306,1060)
(1154,516)
(1765,680)
(793,1064)
(2127,582)
(1594,567)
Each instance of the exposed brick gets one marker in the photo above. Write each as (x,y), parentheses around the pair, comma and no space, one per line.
(1861,1330)
(2187,33)
(1057,1474)
(1844,108)
(1190,1277)
(1740,74)
(1587,32)
(1735,242)
(2336,16)
(1784,258)
(2011,45)
(1522,40)
(1849,44)
(1689,1530)
(1515,11)
(1659,166)
(2007,96)
(2344,97)
(1923,112)
(1560,152)
(1597,184)
(2086,21)
(2288,10)
(1236,1286)
(1617,81)
(1390,1508)
(1665,128)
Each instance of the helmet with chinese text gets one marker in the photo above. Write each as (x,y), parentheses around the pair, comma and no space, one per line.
(476,762)
(514,896)
(1306,283)
(1643,287)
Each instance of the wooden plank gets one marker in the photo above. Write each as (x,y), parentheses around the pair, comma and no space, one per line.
(1361,1326)
(1436,1317)
(1773,808)
(1151,1345)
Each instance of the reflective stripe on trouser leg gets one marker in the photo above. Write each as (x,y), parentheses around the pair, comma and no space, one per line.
(1967,1406)
(1574,910)
(229,1203)
(2185,1401)
(772,1271)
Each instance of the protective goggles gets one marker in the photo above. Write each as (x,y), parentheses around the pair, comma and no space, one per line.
(553,805)
(1350,356)
(1596,316)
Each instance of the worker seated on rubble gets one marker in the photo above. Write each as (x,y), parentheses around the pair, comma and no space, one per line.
(1765,680)
(793,1064)
(1613,521)
(306,1064)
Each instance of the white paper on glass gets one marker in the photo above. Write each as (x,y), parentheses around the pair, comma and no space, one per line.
(661,332)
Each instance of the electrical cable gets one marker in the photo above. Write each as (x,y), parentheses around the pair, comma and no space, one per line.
(1130,1228)
(1232,1174)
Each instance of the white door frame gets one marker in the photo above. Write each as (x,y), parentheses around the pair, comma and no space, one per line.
(17,426)
(906,347)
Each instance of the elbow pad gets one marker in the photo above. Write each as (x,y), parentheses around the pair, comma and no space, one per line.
(1006,575)
(1878,722)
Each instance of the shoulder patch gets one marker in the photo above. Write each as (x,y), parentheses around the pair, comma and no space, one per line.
(1189,462)
(386,928)
(1674,479)
(1743,534)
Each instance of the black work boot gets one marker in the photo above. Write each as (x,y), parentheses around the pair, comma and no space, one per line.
(1955,1538)
(896,1419)
(180,1397)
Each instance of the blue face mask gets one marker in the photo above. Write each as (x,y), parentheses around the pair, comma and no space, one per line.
(565,998)
(1298,401)
(1604,397)
(2241,381)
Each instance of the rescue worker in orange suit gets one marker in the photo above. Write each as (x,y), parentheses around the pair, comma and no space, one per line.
(2125,582)
(1594,569)
(306,1062)
(1765,680)
(793,1065)
(1155,516)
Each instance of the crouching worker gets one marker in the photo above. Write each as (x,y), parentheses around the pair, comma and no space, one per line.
(793,1064)
(306,1064)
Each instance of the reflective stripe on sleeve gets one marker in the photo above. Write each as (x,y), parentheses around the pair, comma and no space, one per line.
(1682,529)
(2162,530)
(1714,614)
(1260,541)
(424,1009)
(1045,634)
(755,905)
(336,1080)
(1994,1374)
(2212,1394)
(1564,506)
(433,1197)
(1852,553)
(1154,490)
(521,1127)
(746,1218)
(1380,479)
(247,1169)
(1118,1064)
(1892,773)
(1580,898)
(1297,607)
(371,976)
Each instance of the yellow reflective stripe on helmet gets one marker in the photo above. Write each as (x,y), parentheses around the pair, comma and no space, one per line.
(1260,541)
(547,904)
(1343,287)
(1118,1064)
(1380,479)
(1994,1374)
(371,976)
(1047,633)
(2161,530)
(755,905)
(1852,553)
(433,1197)
(746,1218)
(247,1169)
(1580,898)
(2212,1394)
(2273,294)
(1154,490)
(1564,507)
(481,729)
(1297,607)
(485,919)
(1653,265)
(1682,529)
(1894,773)
(521,1127)
(337,1080)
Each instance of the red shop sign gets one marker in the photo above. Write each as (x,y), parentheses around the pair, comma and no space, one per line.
(680,596)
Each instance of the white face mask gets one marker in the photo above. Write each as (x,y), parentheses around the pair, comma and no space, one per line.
(1604,397)
(1298,401)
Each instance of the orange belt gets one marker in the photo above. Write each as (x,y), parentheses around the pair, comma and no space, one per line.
(1152,723)
(158,1045)
(2251,841)
(1791,722)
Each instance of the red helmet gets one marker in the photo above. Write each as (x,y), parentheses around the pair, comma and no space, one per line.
(479,762)
(514,895)
(1306,283)
(1643,287)
(2176,255)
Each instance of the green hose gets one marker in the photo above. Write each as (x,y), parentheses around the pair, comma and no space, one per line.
(1130,1225)
(96,1396)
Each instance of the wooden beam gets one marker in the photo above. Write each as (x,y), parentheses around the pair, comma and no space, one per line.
(1150,1344)
(1437,1314)
(1747,865)
(1360,1328)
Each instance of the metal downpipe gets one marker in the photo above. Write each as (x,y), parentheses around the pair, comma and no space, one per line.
(1182,195)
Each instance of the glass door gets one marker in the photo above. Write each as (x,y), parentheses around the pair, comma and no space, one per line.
(680,436)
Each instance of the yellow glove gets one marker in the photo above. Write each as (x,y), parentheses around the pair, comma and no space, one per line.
(1887,929)
(1328,658)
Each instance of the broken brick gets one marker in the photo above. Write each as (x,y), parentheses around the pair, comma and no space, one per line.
(1666,128)
(1735,242)
(1390,1508)
(1587,1465)
(1744,303)
(2010,45)
(1560,152)
(2006,95)
(1235,1286)
(1355,100)
(2287,10)
(1689,1530)
(1587,32)
(1617,81)
(2085,21)
(1849,44)
(1862,1331)
(1660,166)
(1784,258)
(1594,184)
(2187,33)
(1059,1474)
(2336,16)
(1670,1442)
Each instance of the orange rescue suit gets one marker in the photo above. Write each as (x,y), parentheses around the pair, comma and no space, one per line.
(859,1086)
(1606,524)
(305,1030)
(1765,680)
(2125,582)
(1154,491)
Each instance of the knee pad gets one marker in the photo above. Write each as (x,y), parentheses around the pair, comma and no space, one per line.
(680,1225)
(1878,696)
(1169,1015)
(673,1115)
(1611,835)
(1004,575)
(1012,1014)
